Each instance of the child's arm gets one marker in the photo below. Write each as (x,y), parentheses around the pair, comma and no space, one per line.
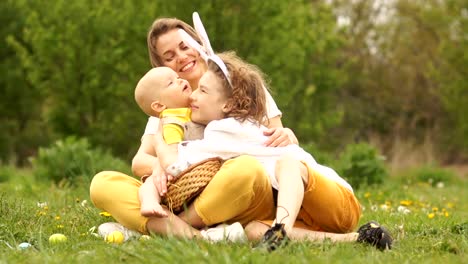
(167,154)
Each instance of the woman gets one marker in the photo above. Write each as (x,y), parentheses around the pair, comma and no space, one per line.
(117,193)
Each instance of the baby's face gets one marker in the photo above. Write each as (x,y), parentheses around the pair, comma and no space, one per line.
(174,92)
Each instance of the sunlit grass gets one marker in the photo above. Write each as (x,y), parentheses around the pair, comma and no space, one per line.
(428,222)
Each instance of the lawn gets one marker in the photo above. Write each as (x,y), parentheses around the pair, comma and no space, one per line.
(429,222)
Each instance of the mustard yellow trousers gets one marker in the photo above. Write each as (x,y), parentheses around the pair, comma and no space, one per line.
(239,192)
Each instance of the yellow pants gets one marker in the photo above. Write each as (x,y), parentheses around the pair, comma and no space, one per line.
(327,206)
(239,192)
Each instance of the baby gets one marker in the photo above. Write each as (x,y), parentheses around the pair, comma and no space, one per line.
(161,93)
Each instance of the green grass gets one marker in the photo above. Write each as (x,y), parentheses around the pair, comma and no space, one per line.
(434,231)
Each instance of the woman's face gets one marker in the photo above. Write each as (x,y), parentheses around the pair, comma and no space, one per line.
(208,102)
(184,60)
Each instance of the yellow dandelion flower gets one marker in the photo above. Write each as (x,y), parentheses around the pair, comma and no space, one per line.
(431,215)
(388,203)
(384,207)
(104,214)
(446,214)
(57,217)
(435,209)
(406,202)
(41,213)
(45,207)
(367,195)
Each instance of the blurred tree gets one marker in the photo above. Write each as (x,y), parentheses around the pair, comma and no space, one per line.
(20,101)
(85,58)
(396,50)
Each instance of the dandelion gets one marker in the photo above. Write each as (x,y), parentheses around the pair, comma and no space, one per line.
(435,209)
(384,207)
(59,226)
(41,213)
(374,208)
(446,214)
(105,214)
(367,195)
(431,215)
(406,202)
(440,185)
(57,217)
(84,203)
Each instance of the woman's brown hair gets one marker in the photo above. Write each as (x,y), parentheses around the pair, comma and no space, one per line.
(162,26)
(247,96)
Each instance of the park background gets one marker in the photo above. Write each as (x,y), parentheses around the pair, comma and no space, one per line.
(389,73)
(376,89)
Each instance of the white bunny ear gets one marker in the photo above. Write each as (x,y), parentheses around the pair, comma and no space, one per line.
(200,29)
(193,43)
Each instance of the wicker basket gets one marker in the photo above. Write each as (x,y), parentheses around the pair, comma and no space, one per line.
(190,183)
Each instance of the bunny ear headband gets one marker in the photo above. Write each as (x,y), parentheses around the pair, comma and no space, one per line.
(206,51)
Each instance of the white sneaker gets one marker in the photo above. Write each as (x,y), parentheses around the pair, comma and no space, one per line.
(105,229)
(233,233)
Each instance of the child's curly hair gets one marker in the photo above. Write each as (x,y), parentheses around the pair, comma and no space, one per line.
(247,96)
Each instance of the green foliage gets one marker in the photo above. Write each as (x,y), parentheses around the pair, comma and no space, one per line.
(85,58)
(74,161)
(360,165)
(69,68)
(434,175)
(6,173)
(319,155)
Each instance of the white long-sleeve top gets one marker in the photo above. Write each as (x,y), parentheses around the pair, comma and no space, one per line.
(228,138)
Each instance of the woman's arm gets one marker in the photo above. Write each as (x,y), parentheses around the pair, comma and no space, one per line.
(145,158)
(279,136)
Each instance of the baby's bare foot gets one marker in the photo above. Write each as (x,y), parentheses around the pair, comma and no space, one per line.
(152,209)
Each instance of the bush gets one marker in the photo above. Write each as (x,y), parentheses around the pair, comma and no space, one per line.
(73,160)
(320,156)
(360,164)
(5,173)
(433,175)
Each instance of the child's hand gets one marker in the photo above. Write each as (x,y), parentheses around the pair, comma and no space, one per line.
(160,180)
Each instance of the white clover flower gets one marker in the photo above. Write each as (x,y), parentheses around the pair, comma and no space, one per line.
(41,204)
(402,209)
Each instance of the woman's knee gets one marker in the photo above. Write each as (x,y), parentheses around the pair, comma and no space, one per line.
(100,184)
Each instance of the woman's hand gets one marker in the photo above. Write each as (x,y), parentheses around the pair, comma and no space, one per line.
(279,137)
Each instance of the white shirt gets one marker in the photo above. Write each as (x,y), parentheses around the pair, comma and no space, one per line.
(272,111)
(228,138)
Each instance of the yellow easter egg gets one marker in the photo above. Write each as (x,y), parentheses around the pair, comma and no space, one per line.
(57,238)
(115,237)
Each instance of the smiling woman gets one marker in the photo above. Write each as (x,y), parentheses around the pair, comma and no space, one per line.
(166,48)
